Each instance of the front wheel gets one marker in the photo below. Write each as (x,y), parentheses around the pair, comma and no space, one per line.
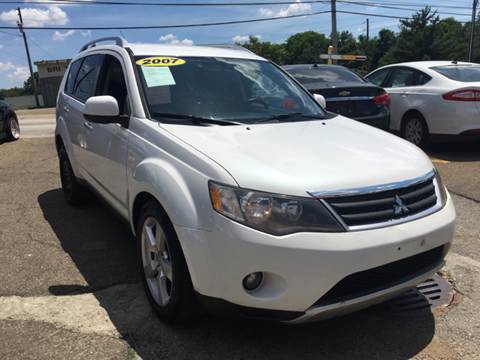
(13,128)
(415,130)
(164,270)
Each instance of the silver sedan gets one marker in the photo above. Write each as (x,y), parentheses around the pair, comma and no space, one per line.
(432,98)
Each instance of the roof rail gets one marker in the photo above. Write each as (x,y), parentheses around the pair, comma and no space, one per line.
(118,41)
(230,46)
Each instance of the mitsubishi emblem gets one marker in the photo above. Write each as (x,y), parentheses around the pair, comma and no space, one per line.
(399,208)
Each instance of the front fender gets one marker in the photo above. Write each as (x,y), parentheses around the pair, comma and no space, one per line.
(169,186)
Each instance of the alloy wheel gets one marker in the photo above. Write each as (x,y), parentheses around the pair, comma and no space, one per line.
(414,131)
(14,128)
(156,261)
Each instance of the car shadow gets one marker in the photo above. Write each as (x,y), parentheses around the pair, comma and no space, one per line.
(104,251)
(460,151)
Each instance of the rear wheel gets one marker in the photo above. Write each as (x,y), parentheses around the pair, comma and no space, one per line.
(13,128)
(415,130)
(73,191)
(165,274)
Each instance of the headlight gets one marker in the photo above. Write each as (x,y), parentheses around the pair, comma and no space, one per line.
(441,188)
(272,213)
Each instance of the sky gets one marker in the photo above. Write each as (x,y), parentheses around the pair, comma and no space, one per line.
(56,44)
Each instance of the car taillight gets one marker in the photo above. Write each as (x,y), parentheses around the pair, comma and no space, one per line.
(382,99)
(463,95)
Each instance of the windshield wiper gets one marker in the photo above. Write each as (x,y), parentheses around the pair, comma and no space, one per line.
(282,117)
(196,120)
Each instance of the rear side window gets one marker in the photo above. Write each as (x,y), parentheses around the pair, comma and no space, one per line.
(321,74)
(378,77)
(86,79)
(465,73)
(72,74)
(404,77)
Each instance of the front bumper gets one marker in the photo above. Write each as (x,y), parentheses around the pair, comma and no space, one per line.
(301,268)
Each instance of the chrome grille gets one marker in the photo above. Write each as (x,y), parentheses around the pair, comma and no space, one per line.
(384,206)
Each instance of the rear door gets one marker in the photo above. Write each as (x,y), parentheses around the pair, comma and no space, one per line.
(106,152)
(73,123)
(77,94)
(403,85)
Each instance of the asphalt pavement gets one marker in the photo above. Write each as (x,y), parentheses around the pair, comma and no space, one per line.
(69,284)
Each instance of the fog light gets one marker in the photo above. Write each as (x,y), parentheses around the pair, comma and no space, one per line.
(252,281)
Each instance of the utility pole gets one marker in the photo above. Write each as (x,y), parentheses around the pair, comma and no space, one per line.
(334,27)
(472,31)
(34,84)
(368,31)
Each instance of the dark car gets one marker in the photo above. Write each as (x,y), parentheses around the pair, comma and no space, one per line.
(345,92)
(9,127)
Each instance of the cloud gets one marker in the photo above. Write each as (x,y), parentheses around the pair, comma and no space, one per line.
(59,36)
(20,74)
(1,46)
(6,66)
(52,15)
(86,33)
(172,39)
(298,8)
(244,38)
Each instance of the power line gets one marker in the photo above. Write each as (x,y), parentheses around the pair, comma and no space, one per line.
(40,47)
(215,4)
(355,3)
(167,26)
(7,33)
(218,23)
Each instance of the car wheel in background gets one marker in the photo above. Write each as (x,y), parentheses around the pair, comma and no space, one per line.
(73,191)
(415,130)
(164,270)
(13,128)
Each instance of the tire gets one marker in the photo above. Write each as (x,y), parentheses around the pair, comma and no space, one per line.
(415,130)
(12,128)
(75,194)
(164,271)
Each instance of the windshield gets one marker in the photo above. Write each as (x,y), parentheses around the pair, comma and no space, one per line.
(465,73)
(236,90)
(323,74)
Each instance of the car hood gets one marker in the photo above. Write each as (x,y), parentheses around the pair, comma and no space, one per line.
(298,157)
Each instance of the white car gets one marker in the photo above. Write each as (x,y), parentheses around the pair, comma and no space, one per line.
(432,98)
(240,189)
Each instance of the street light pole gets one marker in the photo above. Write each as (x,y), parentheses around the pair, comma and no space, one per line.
(472,31)
(20,27)
(334,27)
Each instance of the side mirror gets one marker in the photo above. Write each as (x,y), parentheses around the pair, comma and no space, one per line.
(102,110)
(321,100)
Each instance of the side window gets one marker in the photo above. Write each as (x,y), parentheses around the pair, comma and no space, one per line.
(72,74)
(112,82)
(87,77)
(422,78)
(402,77)
(378,77)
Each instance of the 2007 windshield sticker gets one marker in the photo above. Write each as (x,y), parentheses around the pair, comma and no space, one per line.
(160,61)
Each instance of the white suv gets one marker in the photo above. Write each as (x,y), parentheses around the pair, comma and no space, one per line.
(240,189)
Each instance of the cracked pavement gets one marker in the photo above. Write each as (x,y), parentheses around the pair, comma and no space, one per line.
(69,284)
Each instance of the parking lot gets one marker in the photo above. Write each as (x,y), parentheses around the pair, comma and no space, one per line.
(70,286)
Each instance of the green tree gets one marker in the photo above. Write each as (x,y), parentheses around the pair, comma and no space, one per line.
(266,49)
(415,40)
(306,47)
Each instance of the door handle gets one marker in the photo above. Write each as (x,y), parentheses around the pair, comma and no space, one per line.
(66,108)
(88,125)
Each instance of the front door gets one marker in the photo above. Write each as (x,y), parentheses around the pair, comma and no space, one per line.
(106,153)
